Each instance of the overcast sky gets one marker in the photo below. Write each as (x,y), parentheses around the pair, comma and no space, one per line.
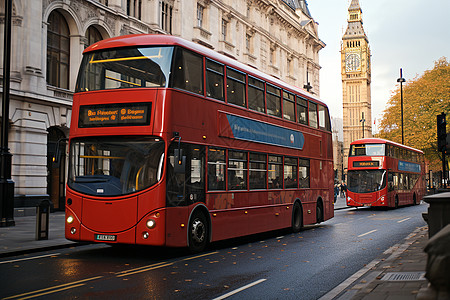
(408,34)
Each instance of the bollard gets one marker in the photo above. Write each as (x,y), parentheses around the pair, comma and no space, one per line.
(42,216)
(438,267)
(438,212)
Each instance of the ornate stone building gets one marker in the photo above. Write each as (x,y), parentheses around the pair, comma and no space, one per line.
(275,36)
(356,78)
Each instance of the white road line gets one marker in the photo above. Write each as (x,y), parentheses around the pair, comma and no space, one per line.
(28,258)
(403,220)
(240,289)
(372,231)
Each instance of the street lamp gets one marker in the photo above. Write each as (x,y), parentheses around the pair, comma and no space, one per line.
(401,80)
(307,86)
(6,184)
(363,121)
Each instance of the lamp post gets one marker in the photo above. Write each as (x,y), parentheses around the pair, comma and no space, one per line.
(307,86)
(363,121)
(401,80)
(6,184)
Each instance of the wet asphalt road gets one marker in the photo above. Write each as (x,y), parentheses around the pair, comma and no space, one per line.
(275,265)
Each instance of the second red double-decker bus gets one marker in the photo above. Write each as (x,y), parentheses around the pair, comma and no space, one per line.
(173,144)
(384,173)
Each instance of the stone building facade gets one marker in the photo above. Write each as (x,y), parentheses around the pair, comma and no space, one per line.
(278,37)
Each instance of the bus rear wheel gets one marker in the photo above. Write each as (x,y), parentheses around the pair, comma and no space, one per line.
(198,232)
(319,212)
(297,217)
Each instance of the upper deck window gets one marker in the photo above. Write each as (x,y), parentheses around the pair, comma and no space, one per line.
(236,87)
(125,68)
(367,150)
(214,80)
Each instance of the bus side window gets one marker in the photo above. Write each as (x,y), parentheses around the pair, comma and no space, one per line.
(303,171)
(187,71)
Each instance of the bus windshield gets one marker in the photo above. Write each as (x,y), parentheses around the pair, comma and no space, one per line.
(367,150)
(366,181)
(114,166)
(125,68)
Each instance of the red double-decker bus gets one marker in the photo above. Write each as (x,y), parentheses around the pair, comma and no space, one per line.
(384,173)
(173,144)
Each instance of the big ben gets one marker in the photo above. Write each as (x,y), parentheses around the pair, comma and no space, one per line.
(356,77)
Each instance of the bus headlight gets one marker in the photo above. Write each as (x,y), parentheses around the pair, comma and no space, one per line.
(69,220)
(145,235)
(151,224)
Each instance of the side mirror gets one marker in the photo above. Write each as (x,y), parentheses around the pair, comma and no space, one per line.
(180,161)
(55,159)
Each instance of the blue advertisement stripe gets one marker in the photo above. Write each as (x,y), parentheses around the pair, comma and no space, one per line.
(408,166)
(256,131)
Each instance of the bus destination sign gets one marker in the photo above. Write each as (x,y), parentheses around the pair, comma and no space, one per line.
(117,114)
(366,164)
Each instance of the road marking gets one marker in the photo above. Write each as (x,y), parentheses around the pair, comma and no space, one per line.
(145,270)
(372,231)
(159,265)
(403,220)
(53,289)
(240,289)
(201,255)
(280,237)
(28,258)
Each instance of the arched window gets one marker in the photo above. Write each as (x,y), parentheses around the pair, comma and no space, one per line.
(58,45)
(92,36)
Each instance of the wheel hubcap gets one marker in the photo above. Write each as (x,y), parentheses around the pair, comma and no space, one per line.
(198,231)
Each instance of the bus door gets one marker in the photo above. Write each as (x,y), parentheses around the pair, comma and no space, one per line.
(187,186)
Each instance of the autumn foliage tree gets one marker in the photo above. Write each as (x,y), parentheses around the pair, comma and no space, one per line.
(423,99)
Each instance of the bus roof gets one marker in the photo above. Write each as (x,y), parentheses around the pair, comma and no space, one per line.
(134,40)
(383,141)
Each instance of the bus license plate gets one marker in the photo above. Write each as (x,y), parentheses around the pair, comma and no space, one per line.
(105,237)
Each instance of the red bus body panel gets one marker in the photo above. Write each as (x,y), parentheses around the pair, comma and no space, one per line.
(384,197)
(199,120)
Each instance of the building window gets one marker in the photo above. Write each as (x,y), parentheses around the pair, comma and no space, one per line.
(58,55)
(92,36)
(134,8)
(200,10)
(224,29)
(248,43)
(166,16)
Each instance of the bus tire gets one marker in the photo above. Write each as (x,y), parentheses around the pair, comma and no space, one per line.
(297,217)
(198,232)
(319,212)
(415,199)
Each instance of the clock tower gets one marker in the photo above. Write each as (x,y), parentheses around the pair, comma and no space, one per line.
(356,77)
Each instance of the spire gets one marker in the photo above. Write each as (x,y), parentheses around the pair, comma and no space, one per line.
(355,28)
(354,5)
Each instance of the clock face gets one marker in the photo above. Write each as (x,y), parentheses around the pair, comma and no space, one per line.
(352,62)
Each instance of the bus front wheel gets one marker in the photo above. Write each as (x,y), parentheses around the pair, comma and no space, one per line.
(198,232)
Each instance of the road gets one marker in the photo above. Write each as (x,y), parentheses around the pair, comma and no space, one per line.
(275,265)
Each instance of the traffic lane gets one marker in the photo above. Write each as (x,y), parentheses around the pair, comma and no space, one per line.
(344,253)
(234,267)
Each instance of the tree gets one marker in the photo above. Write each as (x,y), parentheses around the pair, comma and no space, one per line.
(423,99)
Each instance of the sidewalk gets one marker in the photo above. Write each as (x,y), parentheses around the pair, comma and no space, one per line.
(399,276)
(21,238)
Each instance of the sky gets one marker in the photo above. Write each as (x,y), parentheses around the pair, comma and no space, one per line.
(407,34)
